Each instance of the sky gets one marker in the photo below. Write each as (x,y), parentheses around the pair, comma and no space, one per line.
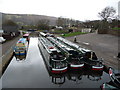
(74,9)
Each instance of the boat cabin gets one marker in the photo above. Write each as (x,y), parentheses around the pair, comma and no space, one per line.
(88,54)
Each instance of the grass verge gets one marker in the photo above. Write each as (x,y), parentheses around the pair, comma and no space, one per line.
(116,28)
(72,34)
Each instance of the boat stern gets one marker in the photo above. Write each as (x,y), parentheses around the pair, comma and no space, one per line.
(61,70)
(97,67)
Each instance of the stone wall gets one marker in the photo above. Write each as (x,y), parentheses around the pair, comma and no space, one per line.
(110,31)
(114,32)
(102,31)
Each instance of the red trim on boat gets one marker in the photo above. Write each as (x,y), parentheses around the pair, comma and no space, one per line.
(97,68)
(53,71)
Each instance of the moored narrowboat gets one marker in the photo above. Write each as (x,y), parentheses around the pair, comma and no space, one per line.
(54,59)
(21,47)
(90,59)
(74,61)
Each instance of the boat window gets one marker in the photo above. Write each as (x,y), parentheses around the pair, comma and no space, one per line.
(88,55)
(61,56)
(59,64)
(55,54)
(73,52)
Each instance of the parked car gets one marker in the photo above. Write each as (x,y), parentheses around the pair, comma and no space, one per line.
(2,40)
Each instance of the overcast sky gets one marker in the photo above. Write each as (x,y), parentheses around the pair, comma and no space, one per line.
(75,9)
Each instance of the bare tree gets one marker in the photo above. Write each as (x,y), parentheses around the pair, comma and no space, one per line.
(43,24)
(107,13)
(60,21)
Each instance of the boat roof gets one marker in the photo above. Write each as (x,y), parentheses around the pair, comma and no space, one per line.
(43,34)
(68,42)
(54,49)
(85,50)
(69,49)
(62,45)
(49,45)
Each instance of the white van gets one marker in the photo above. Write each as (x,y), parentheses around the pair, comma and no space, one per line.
(2,40)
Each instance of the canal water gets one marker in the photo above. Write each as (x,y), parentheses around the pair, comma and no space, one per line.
(31,72)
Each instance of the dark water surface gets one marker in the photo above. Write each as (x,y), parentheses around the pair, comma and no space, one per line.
(32,73)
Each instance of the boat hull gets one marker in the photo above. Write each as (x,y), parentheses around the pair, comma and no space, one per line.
(20,52)
(94,65)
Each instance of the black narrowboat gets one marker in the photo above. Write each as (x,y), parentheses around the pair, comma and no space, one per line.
(74,56)
(91,60)
(54,59)
(89,57)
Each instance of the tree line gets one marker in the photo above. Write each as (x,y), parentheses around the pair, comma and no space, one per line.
(107,15)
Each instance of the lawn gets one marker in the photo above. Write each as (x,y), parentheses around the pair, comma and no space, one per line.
(116,28)
(72,34)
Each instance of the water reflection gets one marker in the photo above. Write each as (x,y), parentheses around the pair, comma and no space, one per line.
(32,73)
(95,76)
(58,80)
(75,76)
(20,57)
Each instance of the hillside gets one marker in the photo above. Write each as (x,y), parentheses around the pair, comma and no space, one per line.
(28,19)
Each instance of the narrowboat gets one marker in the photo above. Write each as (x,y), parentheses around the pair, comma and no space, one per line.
(90,59)
(45,34)
(74,61)
(114,84)
(54,59)
(41,34)
(21,47)
(67,42)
